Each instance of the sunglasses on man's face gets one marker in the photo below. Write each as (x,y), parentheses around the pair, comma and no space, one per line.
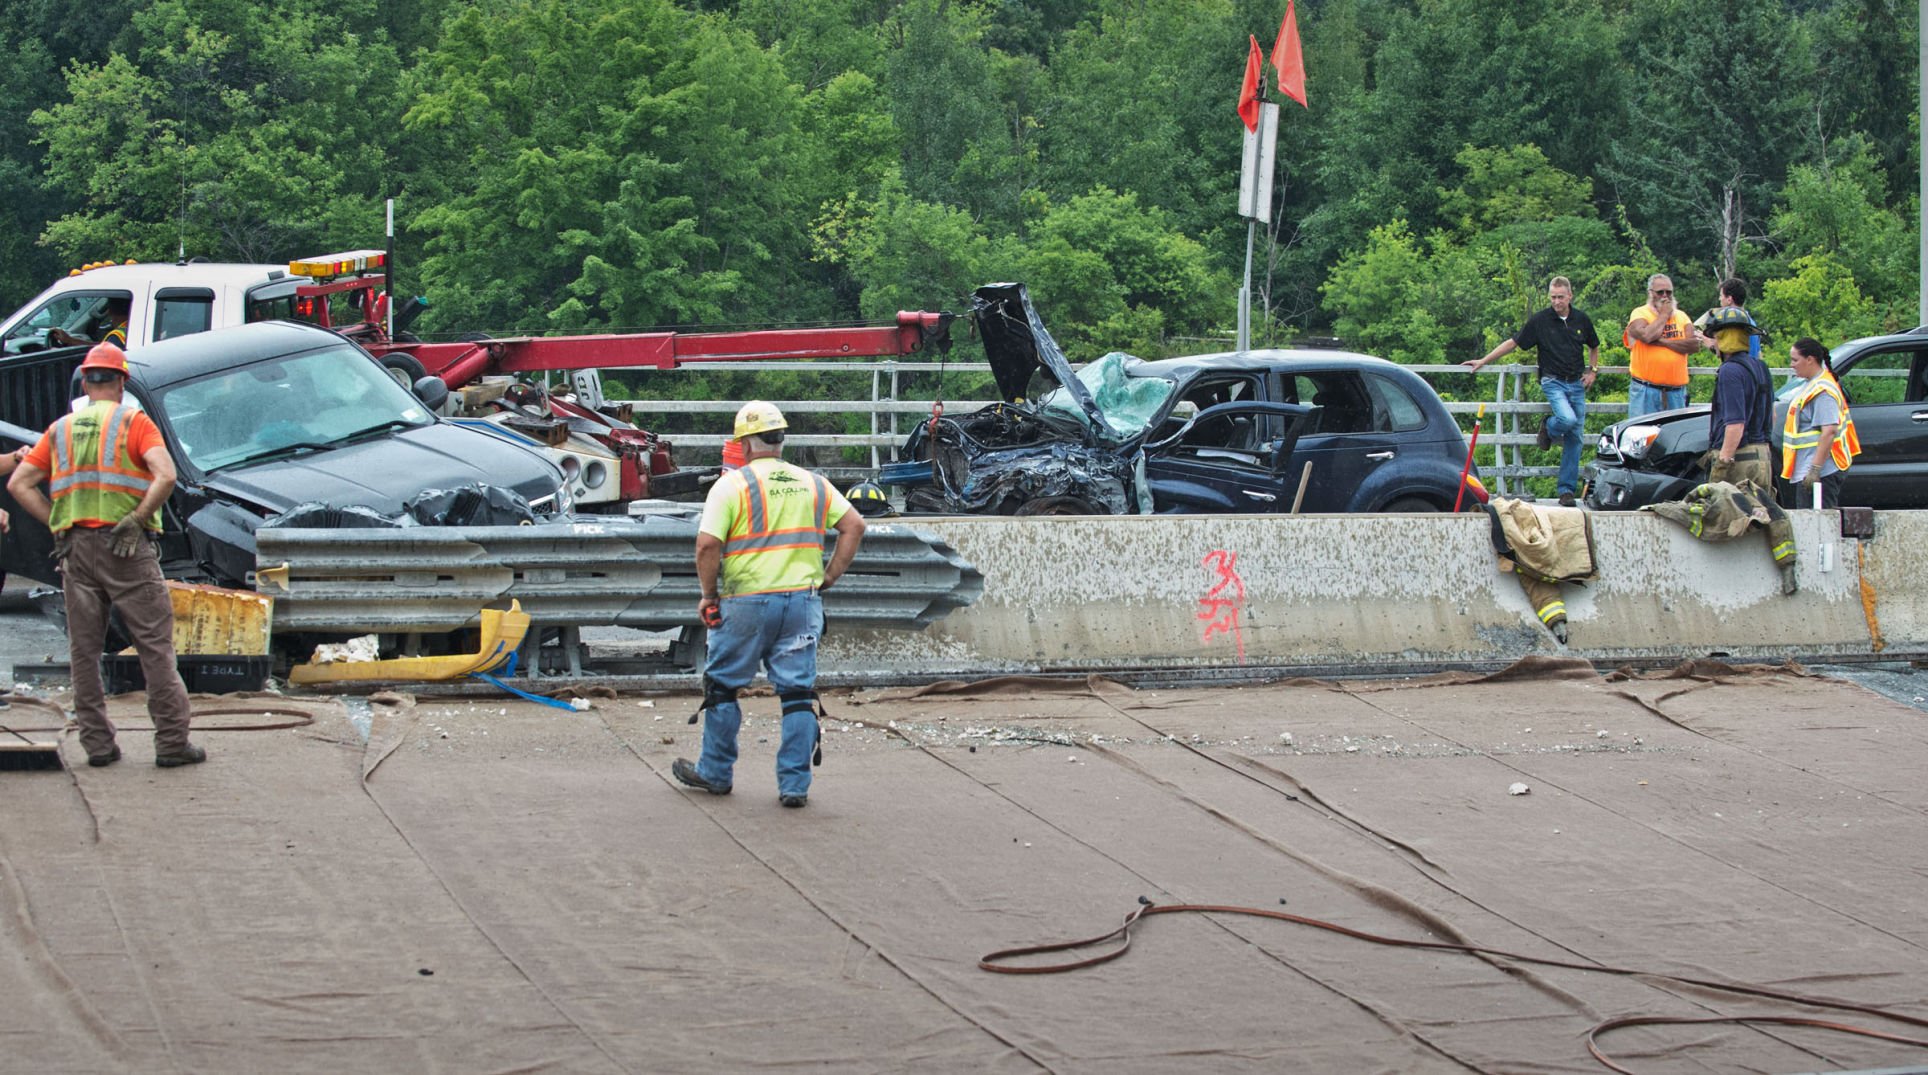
(1663,294)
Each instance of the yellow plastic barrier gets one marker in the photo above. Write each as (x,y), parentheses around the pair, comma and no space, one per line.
(502,632)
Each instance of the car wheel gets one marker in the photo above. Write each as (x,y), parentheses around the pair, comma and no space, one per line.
(404,370)
(1411,503)
(1057,505)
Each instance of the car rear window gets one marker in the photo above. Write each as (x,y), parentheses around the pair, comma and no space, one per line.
(1393,407)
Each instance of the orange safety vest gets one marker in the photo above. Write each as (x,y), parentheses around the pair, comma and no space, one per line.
(775,543)
(1794,440)
(1652,363)
(97,480)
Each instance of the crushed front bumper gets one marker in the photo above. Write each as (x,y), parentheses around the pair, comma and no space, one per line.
(1616,488)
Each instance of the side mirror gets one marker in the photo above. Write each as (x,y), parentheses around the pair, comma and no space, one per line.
(432,391)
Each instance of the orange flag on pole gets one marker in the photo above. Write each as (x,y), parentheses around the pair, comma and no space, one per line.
(1248,94)
(1287,58)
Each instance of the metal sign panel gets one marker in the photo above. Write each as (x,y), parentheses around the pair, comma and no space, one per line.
(1255,178)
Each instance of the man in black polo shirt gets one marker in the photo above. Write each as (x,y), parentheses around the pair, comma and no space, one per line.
(1569,351)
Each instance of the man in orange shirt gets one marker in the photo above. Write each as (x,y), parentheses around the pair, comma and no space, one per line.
(110,473)
(1659,338)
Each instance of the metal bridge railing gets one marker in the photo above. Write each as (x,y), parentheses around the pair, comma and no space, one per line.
(1513,412)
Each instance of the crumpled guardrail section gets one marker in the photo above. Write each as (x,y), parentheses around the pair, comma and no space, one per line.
(587,571)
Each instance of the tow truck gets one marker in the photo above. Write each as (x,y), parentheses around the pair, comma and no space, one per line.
(607,460)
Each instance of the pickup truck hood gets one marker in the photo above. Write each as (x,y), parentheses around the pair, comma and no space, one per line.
(384,472)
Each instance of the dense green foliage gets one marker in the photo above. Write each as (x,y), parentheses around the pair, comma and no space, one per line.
(591,164)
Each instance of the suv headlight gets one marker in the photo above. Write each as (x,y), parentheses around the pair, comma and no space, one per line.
(1635,440)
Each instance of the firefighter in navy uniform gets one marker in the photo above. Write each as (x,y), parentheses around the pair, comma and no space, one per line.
(759,557)
(110,473)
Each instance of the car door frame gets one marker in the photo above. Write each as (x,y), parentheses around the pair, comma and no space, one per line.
(1221,480)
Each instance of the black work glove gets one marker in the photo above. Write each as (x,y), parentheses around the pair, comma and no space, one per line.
(127,537)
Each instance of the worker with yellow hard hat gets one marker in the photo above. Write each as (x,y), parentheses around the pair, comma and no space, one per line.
(759,558)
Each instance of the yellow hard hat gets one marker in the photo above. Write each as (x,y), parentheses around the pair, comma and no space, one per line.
(758,417)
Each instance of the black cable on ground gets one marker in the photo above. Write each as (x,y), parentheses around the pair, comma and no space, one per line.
(996,962)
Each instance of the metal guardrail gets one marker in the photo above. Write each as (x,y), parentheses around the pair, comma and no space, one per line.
(1514,408)
(582,571)
(1513,412)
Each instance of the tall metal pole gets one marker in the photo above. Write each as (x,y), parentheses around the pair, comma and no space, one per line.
(1921,44)
(1255,203)
(1245,291)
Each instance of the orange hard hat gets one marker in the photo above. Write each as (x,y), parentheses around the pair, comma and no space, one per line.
(105,356)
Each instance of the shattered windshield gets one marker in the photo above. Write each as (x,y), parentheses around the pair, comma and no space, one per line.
(1127,403)
(286,406)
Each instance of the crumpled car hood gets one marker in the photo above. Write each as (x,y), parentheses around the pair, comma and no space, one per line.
(384,472)
(1016,343)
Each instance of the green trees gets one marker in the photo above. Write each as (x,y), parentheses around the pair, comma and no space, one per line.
(214,127)
(633,163)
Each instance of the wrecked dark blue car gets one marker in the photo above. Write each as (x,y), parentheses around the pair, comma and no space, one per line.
(1256,431)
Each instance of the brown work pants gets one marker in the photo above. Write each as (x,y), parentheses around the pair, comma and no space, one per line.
(94,580)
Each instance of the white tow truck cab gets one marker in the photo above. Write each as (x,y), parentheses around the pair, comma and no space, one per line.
(162,300)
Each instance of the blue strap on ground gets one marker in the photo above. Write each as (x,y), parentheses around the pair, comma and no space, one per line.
(508,669)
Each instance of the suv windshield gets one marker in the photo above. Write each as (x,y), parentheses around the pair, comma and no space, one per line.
(284,405)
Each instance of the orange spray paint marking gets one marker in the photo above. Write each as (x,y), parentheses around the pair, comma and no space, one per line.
(1220,606)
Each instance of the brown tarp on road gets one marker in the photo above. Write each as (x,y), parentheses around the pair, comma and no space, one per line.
(493,887)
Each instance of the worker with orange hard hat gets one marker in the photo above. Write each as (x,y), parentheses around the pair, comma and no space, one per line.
(108,473)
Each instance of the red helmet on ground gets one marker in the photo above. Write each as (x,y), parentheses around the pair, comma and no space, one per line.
(105,356)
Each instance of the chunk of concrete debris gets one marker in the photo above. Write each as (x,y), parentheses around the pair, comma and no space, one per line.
(1518,789)
(353,651)
(579,704)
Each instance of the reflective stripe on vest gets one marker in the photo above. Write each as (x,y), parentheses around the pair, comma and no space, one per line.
(96,479)
(1794,440)
(759,537)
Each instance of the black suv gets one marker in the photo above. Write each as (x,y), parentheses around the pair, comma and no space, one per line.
(1657,457)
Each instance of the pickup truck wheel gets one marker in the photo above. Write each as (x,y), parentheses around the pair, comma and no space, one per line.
(1057,505)
(1411,503)
(405,370)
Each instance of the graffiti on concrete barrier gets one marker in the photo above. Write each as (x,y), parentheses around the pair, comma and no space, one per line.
(1222,604)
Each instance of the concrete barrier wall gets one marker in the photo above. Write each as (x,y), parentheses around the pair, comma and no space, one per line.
(1894,577)
(1388,591)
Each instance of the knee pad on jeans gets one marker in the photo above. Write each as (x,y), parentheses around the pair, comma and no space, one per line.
(805,701)
(714,694)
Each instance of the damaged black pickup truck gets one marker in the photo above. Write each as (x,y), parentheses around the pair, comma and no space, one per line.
(262,419)
(1257,431)
(1661,457)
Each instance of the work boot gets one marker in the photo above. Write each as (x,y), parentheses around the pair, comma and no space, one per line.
(794,802)
(102,761)
(1789,584)
(1566,500)
(187,755)
(685,771)
(1544,439)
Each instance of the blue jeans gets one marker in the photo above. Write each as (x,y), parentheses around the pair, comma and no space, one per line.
(1566,425)
(1646,399)
(780,632)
